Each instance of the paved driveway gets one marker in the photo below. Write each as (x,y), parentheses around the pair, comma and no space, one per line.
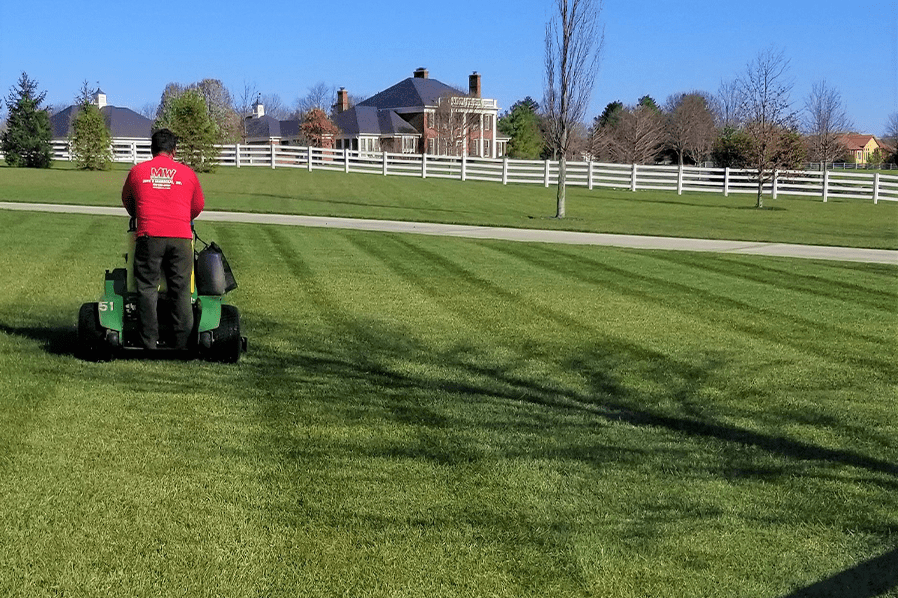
(850,254)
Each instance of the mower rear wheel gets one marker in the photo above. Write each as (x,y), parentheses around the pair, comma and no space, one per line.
(227,344)
(92,344)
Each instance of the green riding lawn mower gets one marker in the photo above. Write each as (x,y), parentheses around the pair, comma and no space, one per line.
(108,328)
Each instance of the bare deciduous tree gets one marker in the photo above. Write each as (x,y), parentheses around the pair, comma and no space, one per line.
(455,124)
(243,105)
(824,123)
(766,111)
(321,96)
(638,135)
(275,107)
(574,43)
(892,126)
(149,110)
(727,103)
(690,126)
(220,106)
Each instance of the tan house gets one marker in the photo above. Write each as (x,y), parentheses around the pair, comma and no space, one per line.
(861,146)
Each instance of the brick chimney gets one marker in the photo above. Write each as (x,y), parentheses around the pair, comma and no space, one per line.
(342,100)
(421,73)
(474,84)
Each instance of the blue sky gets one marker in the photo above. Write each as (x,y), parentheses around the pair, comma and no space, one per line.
(284,47)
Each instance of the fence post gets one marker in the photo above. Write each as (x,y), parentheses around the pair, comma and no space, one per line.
(237,155)
(633,178)
(774,184)
(546,175)
(505,170)
(825,184)
(589,175)
(423,166)
(310,158)
(680,180)
(464,167)
(134,151)
(876,188)
(274,156)
(384,159)
(726,181)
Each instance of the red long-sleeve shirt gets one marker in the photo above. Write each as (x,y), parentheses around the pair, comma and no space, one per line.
(164,196)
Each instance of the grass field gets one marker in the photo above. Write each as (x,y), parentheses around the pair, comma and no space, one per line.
(423,416)
(852,223)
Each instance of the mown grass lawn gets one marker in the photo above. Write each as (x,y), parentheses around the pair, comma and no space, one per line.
(850,223)
(422,416)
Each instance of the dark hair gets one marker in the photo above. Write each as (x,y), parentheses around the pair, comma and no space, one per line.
(163,140)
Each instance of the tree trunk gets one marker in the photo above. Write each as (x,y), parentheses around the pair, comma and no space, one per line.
(760,202)
(562,184)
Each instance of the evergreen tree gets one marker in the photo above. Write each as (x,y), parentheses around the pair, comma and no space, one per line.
(185,114)
(648,101)
(521,123)
(732,149)
(611,115)
(26,140)
(90,139)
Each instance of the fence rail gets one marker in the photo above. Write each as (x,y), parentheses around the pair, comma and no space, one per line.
(825,184)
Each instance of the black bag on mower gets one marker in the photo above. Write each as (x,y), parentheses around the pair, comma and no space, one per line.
(213,273)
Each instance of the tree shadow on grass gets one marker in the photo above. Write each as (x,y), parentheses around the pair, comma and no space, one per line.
(368,354)
(375,370)
(871,578)
(56,340)
(440,397)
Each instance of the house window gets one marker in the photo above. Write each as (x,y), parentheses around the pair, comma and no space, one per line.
(408,145)
(487,122)
(486,149)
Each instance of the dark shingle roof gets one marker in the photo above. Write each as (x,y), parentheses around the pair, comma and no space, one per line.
(122,122)
(127,123)
(264,127)
(413,92)
(368,120)
(267,127)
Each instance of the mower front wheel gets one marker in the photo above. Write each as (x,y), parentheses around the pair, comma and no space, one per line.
(227,344)
(92,345)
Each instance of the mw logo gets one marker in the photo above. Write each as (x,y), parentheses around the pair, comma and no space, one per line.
(163,173)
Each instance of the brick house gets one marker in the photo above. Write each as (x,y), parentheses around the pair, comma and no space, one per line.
(421,115)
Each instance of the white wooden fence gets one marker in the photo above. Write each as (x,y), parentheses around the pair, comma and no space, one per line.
(827,184)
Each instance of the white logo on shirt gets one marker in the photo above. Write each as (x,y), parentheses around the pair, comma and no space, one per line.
(163,178)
